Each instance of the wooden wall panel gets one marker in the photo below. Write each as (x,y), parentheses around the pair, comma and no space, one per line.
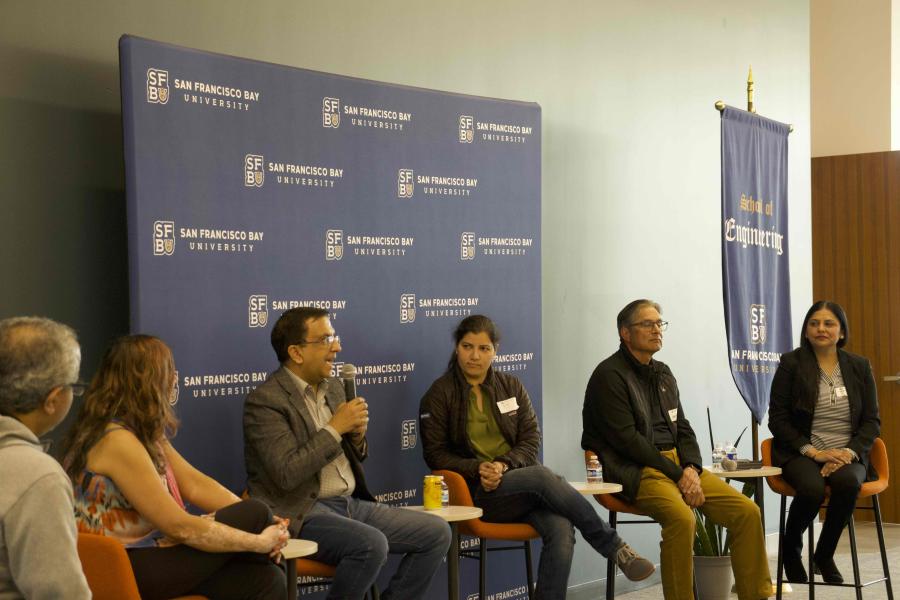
(856,262)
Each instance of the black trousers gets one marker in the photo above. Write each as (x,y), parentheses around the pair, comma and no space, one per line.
(803,475)
(181,570)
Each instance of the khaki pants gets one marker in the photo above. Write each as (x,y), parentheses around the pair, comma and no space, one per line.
(659,497)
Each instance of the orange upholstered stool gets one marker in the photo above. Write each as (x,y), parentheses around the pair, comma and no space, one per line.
(484,531)
(615,506)
(306,567)
(870,489)
(108,570)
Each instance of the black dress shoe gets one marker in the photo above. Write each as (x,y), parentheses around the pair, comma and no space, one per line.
(794,571)
(828,570)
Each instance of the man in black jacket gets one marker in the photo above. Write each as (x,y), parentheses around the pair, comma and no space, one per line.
(634,421)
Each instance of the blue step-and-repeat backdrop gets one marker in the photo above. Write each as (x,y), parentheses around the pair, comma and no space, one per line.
(255,187)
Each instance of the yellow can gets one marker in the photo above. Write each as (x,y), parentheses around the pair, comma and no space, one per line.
(431,492)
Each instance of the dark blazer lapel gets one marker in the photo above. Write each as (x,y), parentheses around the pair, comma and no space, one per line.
(295,399)
(330,399)
(851,383)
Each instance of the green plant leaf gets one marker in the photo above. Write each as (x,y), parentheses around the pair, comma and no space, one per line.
(703,545)
(714,533)
(749,489)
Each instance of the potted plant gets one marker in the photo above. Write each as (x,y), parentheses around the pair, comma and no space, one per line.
(712,555)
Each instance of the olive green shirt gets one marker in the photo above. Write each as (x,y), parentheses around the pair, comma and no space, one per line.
(484,434)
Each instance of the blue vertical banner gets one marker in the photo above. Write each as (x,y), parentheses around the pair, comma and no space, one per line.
(755,275)
(253,188)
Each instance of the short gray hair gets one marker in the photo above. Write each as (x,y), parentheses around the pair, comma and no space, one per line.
(36,355)
(626,315)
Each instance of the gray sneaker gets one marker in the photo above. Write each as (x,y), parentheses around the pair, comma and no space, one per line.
(634,566)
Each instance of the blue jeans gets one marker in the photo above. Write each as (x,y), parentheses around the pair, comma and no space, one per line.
(357,535)
(538,496)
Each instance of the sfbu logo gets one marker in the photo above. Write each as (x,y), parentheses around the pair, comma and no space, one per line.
(758,323)
(163,238)
(334,244)
(157,86)
(408,435)
(467,246)
(466,129)
(258,311)
(405,183)
(407,308)
(253,170)
(331,112)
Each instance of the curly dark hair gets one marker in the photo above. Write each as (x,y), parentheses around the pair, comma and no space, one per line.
(133,386)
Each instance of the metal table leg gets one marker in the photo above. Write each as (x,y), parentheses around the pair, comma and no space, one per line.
(761,501)
(453,564)
(291,578)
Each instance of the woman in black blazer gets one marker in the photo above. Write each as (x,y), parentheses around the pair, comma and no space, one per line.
(824,416)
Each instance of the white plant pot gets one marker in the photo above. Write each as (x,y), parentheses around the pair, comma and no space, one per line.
(714,577)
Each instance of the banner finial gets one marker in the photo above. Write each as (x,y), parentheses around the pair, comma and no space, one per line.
(750,91)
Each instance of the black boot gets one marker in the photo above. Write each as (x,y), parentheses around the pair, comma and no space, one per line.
(794,570)
(828,570)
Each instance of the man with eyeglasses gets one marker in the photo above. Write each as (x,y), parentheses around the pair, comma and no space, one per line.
(39,363)
(304,443)
(634,421)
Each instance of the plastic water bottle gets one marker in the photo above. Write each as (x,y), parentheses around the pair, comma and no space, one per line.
(445,494)
(730,451)
(718,453)
(594,470)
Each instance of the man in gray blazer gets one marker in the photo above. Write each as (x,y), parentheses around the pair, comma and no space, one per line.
(304,443)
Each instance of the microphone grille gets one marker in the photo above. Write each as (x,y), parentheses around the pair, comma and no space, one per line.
(347,371)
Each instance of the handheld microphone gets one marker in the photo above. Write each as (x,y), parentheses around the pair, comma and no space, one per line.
(348,375)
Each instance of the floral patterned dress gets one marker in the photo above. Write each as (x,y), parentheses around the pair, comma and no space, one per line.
(101,508)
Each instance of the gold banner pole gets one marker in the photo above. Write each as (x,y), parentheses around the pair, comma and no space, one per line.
(720,105)
(750,91)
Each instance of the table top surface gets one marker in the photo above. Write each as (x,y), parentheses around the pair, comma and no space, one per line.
(299,548)
(450,513)
(745,473)
(596,488)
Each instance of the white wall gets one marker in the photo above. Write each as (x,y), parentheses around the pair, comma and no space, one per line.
(851,66)
(631,183)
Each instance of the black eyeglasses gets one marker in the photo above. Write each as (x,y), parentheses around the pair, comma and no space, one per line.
(663,325)
(78,388)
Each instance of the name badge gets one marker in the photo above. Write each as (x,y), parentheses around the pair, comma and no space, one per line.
(507,405)
(673,414)
(840,392)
